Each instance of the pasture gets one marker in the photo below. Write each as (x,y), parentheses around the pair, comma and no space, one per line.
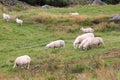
(42,26)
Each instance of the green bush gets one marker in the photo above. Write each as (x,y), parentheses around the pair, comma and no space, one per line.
(112,1)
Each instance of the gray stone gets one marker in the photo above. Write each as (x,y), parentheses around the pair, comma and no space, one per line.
(46,6)
(98,2)
(114,18)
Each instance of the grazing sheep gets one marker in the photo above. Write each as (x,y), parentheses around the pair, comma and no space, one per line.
(55,44)
(80,38)
(6,17)
(22,61)
(90,42)
(18,21)
(87,30)
(98,41)
(74,14)
(86,43)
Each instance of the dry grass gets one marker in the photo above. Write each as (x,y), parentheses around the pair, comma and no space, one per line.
(3,8)
(104,26)
(105,74)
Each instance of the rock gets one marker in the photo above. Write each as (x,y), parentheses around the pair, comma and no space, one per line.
(98,2)
(114,18)
(46,6)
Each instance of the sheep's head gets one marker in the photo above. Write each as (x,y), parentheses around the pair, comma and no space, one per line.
(46,47)
(16,18)
(81,28)
(4,13)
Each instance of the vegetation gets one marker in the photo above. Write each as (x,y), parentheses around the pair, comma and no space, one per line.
(62,3)
(42,26)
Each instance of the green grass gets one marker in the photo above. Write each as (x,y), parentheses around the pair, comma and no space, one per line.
(31,38)
(84,10)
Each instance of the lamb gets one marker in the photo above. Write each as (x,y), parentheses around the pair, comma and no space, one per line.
(87,30)
(90,42)
(80,38)
(74,14)
(6,17)
(18,21)
(55,44)
(22,61)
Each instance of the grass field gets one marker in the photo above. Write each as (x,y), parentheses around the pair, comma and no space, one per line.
(43,26)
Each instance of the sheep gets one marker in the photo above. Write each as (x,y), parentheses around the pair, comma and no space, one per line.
(55,44)
(18,21)
(80,38)
(86,43)
(22,61)
(90,42)
(6,17)
(83,42)
(87,30)
(98,41)
(74,14)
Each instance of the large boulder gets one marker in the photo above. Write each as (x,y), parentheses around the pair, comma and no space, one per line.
(46,6)
(98,2)
(115,18)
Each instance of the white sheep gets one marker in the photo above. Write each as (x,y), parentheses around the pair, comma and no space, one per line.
(22,61)
(6,17)
(90,42)
(80,38)
(55,44)
(85,44)
(74,14)
(87,30)
(19,21)
(98,41)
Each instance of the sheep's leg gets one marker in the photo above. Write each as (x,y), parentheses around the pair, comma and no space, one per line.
(79,46)
(28,66)
(81,49)
(21,24)
(89,47)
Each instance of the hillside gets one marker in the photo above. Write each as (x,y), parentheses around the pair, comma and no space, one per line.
(42,26)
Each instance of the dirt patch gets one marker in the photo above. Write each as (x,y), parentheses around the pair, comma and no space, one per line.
(111,53)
